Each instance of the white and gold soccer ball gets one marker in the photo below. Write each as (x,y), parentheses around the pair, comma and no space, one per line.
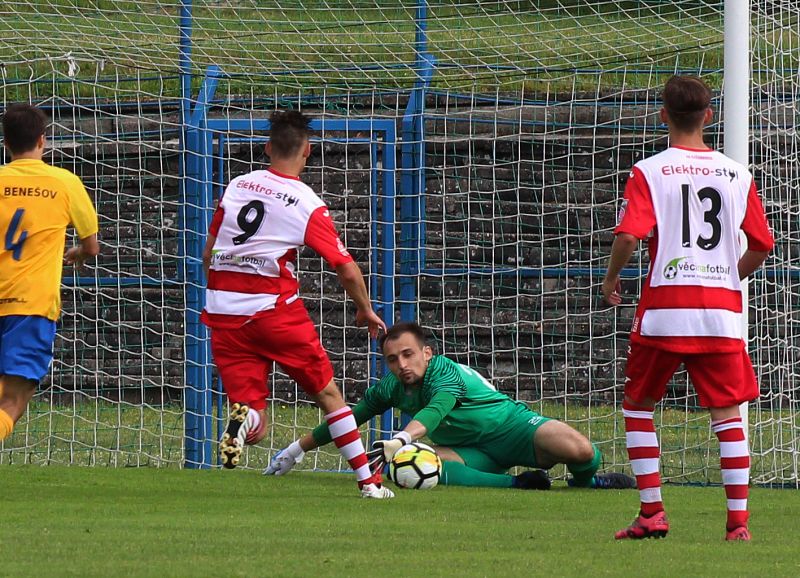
(415,466)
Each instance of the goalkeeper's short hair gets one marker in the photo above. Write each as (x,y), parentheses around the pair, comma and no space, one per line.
(288,133)
(399,329)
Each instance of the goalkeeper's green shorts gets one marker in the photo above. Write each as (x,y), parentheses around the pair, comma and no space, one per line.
(509,446)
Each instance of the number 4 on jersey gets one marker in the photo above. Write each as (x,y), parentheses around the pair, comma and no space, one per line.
(15,246)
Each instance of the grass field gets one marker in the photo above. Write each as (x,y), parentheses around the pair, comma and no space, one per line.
(354,43)
(104,434)
(148,522)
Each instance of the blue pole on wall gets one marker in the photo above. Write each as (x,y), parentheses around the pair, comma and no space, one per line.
(387,287)
(412,183)
(189,177)
(198,203)
(412,180)
(185,74)
(185,59)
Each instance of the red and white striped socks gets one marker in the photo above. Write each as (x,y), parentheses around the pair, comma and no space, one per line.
(344,432)
(255,426)
(735,465)
(644,454)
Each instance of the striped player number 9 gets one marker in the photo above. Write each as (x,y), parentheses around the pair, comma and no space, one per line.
(11,245)
(249,220)
(710,216)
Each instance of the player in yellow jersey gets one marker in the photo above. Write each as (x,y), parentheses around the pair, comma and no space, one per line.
(37,203)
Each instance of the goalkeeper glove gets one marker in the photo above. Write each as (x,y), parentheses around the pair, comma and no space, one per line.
(282,462)
(383,451)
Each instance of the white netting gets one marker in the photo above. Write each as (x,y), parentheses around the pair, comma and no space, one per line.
(535,112)
(775,291)
(115,386)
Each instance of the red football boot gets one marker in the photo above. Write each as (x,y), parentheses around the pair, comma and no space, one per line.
(740,534)
(656,526)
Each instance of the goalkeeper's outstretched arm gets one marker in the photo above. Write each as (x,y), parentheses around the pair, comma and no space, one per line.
(382,451)
(427,419)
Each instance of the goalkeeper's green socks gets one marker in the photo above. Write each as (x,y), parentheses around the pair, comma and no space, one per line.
(584,472)
(457,474)
(6,425)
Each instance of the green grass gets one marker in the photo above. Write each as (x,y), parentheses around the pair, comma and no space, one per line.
(149,522)
(279,48)
(311,44)
(123,435)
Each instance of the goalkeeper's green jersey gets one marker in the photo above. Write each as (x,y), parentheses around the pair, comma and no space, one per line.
(456,404)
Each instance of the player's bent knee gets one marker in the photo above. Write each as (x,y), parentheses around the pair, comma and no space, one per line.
(15,395)
(331,390)
(584,450)
(329,398)
(578,448)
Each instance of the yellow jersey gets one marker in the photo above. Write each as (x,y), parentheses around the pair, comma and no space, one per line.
(37,203)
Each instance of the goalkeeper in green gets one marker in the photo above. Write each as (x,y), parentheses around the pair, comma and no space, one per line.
(478,432)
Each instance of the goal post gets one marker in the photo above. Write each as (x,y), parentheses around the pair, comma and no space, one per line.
(737,120)
(516,125)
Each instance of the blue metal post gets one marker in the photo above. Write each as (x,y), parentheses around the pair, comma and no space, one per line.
(198,367)
(388,244)
(198,203)
(412,184)
(185,59)
(426,63)
(184,71)
(376,368)
(412,193)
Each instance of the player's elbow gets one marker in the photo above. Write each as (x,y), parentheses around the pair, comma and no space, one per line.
(760,256)
(750,261)
(90,247)
(348,272)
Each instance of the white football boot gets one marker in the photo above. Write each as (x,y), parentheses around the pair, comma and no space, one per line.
(376,491)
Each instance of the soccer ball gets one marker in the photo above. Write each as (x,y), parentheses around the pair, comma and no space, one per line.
(415,466)
(670,272)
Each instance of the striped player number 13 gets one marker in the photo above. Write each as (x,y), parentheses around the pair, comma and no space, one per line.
(11,245)
(710,216)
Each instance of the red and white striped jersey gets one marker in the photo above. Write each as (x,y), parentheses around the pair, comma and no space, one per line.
(262,220)
(691,204)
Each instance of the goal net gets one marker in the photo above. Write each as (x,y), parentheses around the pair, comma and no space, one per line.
(517,123)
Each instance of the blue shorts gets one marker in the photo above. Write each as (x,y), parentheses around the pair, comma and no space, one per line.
(26,346)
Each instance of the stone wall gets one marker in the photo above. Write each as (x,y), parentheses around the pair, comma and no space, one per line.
(531,187)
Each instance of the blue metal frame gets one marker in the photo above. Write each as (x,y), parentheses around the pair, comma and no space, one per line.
(185,57)
(412,200)
(198,203)
(412,203)
(196,213)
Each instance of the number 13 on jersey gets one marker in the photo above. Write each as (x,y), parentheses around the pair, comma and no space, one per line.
(710,216)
